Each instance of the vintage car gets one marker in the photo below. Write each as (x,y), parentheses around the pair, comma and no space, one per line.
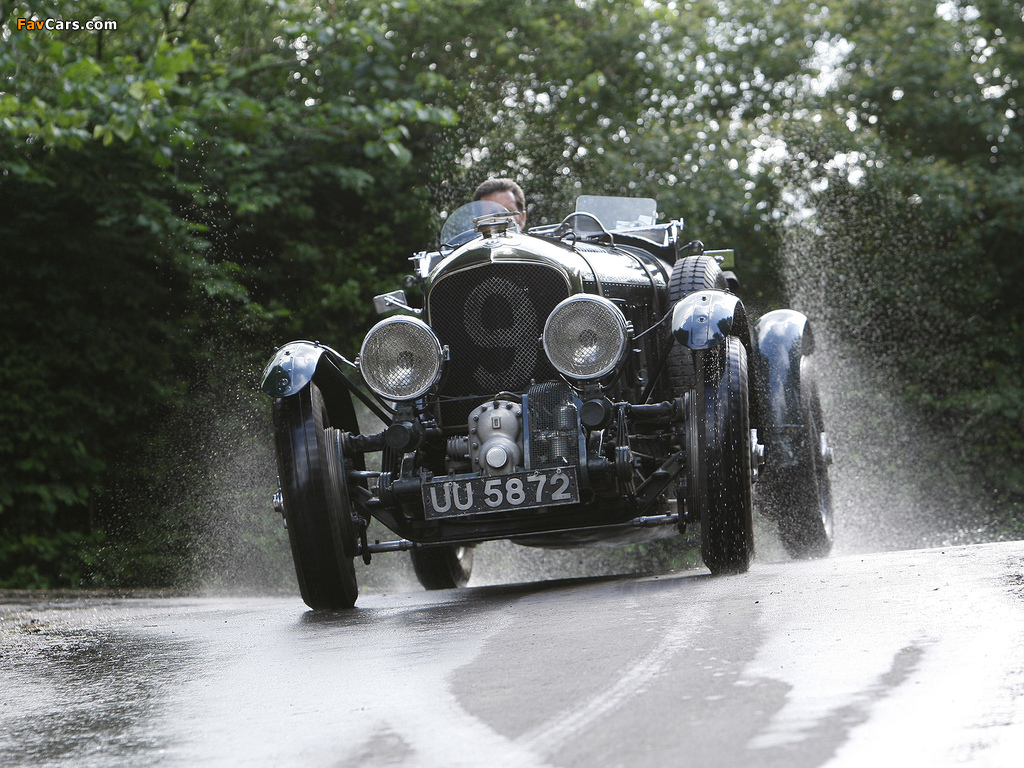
(592,382)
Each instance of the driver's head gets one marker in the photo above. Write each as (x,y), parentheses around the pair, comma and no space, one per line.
(505,193)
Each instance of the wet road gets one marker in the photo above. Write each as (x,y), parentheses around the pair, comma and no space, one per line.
(901,658)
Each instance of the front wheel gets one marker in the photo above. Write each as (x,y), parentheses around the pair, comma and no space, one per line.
(727,527)
(316,504)
(444,567)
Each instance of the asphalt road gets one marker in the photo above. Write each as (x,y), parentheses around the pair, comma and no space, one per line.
(900,658)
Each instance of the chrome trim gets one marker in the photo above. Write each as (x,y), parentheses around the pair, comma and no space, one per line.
(624,329)
(439,349)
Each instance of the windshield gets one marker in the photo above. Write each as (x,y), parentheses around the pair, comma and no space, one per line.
(458,228)
(619,212)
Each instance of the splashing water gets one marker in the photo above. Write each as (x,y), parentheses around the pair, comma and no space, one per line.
(898,480)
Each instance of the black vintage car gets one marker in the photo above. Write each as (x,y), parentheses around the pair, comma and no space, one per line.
(595,381)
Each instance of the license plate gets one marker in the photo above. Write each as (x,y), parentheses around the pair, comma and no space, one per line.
(453,497)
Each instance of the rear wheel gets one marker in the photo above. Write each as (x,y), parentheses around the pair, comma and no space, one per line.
(727,529)
(444,567)
(799,496)
(316,506)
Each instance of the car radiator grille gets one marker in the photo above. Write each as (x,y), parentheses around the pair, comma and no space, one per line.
(491,317)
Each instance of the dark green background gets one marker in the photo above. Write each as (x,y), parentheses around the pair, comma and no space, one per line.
(215,177)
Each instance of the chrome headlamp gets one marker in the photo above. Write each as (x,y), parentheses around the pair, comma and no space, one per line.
(586,337)
(401,358)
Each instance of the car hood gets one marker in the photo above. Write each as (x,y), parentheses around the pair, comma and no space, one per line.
(585,265)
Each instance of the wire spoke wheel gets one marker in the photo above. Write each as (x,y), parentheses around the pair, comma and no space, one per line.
(316,505)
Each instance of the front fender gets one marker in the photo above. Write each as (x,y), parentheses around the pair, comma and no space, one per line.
(704,319)
(299,362)
(291,368)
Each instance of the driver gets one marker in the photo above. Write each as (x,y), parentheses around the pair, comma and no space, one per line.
(507,194)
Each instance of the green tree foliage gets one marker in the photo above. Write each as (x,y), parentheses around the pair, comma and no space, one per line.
(611,97)
(180,191)
(912,162)
(217,176)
